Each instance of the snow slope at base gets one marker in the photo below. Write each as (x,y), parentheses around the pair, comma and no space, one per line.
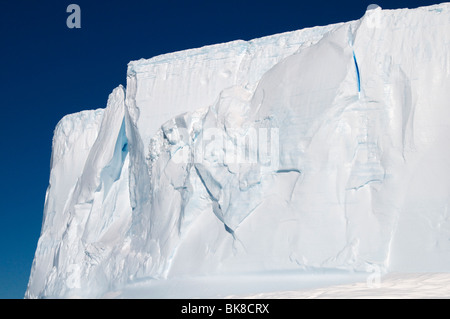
(234,286)
(324,285)
(392,286)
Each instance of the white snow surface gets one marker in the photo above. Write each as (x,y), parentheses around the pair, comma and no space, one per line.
(318,151)
(294,286)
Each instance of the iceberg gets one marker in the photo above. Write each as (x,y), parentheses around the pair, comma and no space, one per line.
(317,149)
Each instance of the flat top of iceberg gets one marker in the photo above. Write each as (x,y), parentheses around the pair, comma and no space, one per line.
(141,65)
(237,45)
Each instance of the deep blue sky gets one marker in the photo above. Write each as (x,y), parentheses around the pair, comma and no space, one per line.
(48,71)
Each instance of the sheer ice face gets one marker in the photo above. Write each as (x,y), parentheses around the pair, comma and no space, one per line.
(318,148)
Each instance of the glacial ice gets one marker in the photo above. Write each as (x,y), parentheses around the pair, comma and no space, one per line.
(322,148)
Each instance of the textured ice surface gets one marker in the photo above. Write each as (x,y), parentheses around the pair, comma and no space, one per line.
(391,286)
(322,148)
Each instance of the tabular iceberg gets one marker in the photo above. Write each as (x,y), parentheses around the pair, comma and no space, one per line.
(323,148)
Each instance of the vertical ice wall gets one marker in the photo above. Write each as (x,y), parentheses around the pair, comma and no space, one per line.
(343,164)
(87,205)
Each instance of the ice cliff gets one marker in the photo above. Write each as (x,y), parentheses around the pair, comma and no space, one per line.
(319,148)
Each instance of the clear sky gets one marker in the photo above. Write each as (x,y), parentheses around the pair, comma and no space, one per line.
(48,70)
